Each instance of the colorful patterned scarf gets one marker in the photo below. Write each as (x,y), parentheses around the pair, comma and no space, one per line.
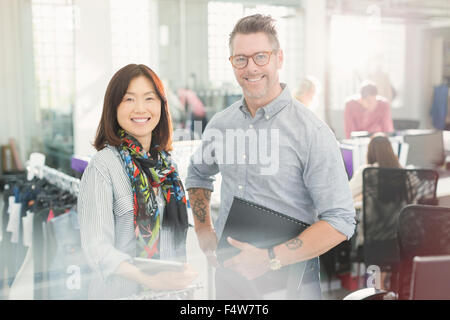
(147,171)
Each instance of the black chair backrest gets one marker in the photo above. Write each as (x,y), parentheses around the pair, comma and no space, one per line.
(422,231)
(405,124)
(385,192)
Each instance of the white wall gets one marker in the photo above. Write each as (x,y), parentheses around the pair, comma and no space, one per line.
(416,64)
(315,46)
(419,62)
(197,40)
(17,86)
(93,64)
(187,50)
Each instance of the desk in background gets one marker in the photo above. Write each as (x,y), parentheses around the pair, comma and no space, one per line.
(443,189)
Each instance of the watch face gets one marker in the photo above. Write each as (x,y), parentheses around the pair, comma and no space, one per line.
(275,264)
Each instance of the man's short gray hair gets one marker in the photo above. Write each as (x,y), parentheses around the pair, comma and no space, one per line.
(254,24)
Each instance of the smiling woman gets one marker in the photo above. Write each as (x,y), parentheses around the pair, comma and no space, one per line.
(140,110)
(132,201)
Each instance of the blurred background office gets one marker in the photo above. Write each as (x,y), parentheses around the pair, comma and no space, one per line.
(56,57)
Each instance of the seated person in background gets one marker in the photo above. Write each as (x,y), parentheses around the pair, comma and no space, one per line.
(194,108)
(307,91)
(379,154)
(177,110)
(368,112)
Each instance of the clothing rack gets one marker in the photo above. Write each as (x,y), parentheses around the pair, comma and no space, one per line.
(36,168)
(41,224)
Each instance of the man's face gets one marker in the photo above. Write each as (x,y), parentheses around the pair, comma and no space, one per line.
(370,102)
(260,84)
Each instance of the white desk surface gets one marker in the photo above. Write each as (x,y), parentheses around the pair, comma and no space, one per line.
(443,187)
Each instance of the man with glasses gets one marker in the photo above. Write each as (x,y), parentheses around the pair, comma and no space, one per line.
(308,182)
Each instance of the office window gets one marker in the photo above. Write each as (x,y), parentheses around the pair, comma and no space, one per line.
(130,32)
(222,16)
(53,39)
(54,60)
(359,46)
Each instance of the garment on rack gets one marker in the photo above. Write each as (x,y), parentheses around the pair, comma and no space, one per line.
(68,271)
(22,287)
(60,268)
(5,243)
(28,229)
(12,250)
(1,219)
(14,210)
(44,249)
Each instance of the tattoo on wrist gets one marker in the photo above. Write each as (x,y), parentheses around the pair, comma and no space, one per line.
(294,244)
(199,199)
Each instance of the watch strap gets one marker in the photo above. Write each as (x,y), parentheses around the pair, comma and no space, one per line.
(271,253)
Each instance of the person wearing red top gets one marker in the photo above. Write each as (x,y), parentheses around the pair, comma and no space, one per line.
(368,112)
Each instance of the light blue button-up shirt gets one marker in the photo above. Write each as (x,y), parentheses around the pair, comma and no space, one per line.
(284,158)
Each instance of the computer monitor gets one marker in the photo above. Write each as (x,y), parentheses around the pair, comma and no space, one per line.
(347,155)
(426,148)
(405,124)
(360,146)
(430,276)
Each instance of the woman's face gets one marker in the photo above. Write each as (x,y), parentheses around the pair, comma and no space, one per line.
(140,110)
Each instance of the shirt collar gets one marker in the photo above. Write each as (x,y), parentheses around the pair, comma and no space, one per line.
(273,107)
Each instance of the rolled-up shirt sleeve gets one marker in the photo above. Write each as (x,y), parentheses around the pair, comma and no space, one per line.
(327,182)
(97,226)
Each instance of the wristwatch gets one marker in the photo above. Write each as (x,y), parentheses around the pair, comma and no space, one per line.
(274,263)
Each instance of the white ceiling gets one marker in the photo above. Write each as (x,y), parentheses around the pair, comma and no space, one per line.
(409,10)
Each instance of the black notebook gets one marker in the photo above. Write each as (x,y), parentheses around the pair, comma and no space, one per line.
(261,227)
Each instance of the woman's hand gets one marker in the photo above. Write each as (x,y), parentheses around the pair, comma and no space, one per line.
(170,280)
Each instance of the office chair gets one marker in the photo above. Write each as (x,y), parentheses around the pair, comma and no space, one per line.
(422,231)
(385,192)
(430,278)
(405,124)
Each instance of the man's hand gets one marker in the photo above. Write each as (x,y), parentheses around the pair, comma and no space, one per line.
(251,262)
(207,240)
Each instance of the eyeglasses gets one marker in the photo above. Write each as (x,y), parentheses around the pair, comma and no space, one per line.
(260,59)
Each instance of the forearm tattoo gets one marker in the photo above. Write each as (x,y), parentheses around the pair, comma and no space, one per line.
(199,200)
(294,244)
